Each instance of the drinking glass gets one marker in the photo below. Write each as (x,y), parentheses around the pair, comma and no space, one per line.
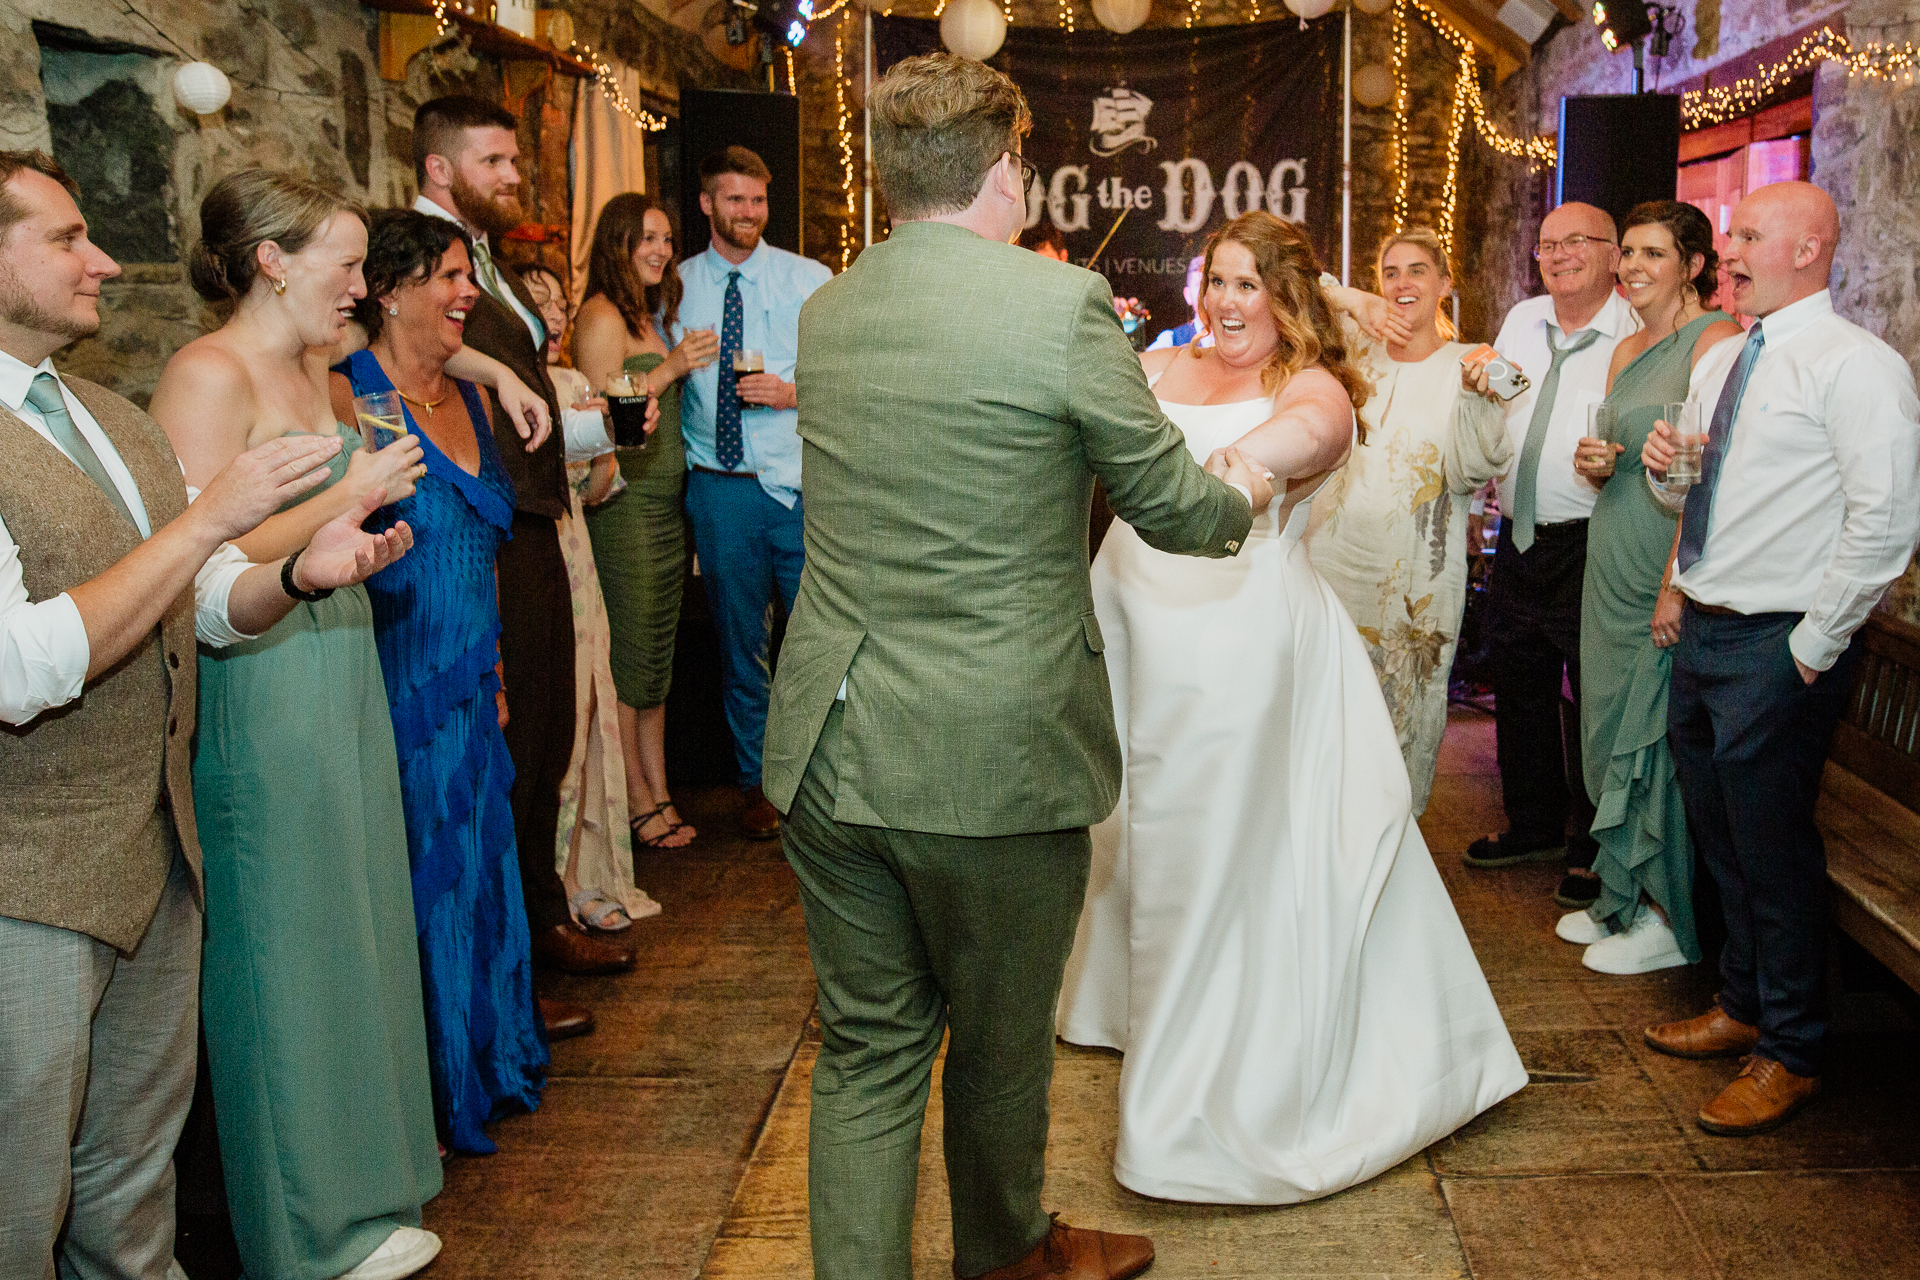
(381,419)
(1691,442)
(627,412)
(745,361)
(1600,426)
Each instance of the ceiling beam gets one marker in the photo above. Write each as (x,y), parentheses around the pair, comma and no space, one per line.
(1507,50)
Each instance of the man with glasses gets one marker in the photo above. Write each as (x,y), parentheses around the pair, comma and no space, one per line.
(1563,340)
(743,450)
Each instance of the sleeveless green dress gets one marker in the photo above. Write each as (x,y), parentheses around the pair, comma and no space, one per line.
(640,548)
(1640,822)
(310,988)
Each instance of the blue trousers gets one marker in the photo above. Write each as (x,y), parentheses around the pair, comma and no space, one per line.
(749,547)
(1749,741)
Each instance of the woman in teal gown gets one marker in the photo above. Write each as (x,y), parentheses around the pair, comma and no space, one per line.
(310,994)
(1643,918)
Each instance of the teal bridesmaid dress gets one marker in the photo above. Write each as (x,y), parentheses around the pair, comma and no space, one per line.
(310,992)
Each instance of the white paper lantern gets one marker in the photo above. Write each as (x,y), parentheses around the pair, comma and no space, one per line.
(517,16)
(1372,85)
(973,28)
(201,87)
(1374,7)
(1121,16)
(1309,8)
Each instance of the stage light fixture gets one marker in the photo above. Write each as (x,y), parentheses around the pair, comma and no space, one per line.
(738,15)
(784,20)
(1621,22)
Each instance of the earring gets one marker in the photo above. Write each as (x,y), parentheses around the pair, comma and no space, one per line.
(393,311)
(279,285)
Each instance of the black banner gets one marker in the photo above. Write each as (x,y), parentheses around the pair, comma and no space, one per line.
(1168,132)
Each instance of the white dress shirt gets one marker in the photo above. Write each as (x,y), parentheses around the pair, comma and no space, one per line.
(1817,507)
(535,326)
(1561,493)
(44,650)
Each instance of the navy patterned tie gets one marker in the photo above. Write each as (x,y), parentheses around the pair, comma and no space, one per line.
(728,447)
(1699,510)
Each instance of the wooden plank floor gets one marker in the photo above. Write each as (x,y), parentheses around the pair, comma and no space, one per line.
(672,1142)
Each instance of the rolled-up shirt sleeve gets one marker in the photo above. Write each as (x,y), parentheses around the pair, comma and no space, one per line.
(211,587)
(1871,413)
(43,646)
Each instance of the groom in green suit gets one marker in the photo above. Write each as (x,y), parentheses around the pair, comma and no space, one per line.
(941,731)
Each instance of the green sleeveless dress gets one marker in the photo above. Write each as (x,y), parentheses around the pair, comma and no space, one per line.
(310,989)
(1640,822)
(640,548)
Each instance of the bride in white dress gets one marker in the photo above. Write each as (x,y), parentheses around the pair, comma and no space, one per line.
(1265,936)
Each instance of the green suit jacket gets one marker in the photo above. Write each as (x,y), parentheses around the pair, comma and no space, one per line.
(957,398)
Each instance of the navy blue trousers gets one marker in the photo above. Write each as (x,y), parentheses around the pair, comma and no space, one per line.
(1749,741)
(751,552)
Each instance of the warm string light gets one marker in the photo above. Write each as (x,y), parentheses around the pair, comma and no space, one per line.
(1193,13)
(829,11)
(1006,9)
(1456,125)
(1721,103)
(1066,14)
(1401,160)
(793,85)
(440,24)
(1253,15)
(610,86)
(844,122)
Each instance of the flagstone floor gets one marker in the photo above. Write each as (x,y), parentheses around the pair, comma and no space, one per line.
(672,1142)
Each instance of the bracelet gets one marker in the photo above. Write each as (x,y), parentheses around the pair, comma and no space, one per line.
(286,580)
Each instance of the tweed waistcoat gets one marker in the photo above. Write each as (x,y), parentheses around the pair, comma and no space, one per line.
(92,793)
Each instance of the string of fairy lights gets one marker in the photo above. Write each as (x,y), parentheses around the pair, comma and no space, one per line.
(1718,104)
(603,74)
(843,116)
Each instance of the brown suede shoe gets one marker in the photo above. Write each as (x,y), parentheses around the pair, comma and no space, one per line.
(564,1021)
(1763,1096)
(1711,1035)
(759,819)
(569,949)
(1078,1255)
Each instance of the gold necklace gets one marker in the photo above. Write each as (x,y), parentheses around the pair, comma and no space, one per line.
(428,405)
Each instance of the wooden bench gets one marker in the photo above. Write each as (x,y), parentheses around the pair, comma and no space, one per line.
(1869,809)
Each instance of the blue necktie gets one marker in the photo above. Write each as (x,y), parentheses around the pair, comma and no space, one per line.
(728,447)
(1699,510)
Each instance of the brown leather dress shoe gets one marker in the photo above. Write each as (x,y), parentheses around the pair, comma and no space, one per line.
(569,949)
(564,1021)
(1711,1035)
(759,819)
(1763,1096)
(1079,1255)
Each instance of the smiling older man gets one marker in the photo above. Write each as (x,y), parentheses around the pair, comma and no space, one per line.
(1807,508)
(1563,340)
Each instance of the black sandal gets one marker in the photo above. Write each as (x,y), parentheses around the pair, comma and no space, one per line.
(654,842)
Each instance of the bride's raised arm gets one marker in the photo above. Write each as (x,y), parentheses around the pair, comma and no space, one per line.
(1310,431)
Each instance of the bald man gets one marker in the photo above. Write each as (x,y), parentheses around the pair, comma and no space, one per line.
(1808,506)
(1563,340)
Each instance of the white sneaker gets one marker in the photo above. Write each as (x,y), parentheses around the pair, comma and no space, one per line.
(1580,929)
(401,1254)
(1647,946)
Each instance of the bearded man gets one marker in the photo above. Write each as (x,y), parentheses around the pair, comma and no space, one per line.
(743,443)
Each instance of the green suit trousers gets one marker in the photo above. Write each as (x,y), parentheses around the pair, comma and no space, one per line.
(914,935)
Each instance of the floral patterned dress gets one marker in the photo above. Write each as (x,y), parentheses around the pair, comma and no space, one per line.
(1389,534)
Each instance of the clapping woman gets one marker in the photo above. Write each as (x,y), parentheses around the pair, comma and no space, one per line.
(629,323)
(437,620)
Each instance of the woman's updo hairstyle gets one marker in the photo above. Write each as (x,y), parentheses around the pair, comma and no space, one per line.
(1692,233)
(1310,335)
(402,246)
(245,210)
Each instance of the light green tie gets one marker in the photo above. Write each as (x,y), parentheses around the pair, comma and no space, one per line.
(45,396)
(1527,483)
(489,279)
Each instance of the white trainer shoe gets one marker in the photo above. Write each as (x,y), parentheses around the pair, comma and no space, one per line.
(401,1254)
(1647,946)
(1580,929)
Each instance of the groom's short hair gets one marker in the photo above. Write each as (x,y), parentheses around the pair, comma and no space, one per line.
(940,122)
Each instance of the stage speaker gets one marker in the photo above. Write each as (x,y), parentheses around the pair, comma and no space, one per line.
(1617,150)
(768,124)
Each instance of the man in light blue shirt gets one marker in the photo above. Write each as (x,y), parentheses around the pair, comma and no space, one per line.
(743,443)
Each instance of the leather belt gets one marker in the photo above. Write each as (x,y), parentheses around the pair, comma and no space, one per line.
(731,475)
(1717,610)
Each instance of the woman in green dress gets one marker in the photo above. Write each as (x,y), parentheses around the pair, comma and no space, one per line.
(1643,918)
(629,323)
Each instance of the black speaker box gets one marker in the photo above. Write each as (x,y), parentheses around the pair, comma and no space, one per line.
(768,124)
(1617,150)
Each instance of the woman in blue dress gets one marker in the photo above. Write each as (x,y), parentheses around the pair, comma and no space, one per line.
(437,624)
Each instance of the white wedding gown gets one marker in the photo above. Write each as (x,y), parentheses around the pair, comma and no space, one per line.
(1265,937)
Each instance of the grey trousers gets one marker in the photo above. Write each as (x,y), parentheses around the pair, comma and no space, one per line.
(96,1073)
(913,935)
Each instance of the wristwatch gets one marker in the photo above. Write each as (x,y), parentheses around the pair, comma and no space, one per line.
(286,580)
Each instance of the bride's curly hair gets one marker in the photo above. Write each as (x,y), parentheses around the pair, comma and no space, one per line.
(1310,334)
